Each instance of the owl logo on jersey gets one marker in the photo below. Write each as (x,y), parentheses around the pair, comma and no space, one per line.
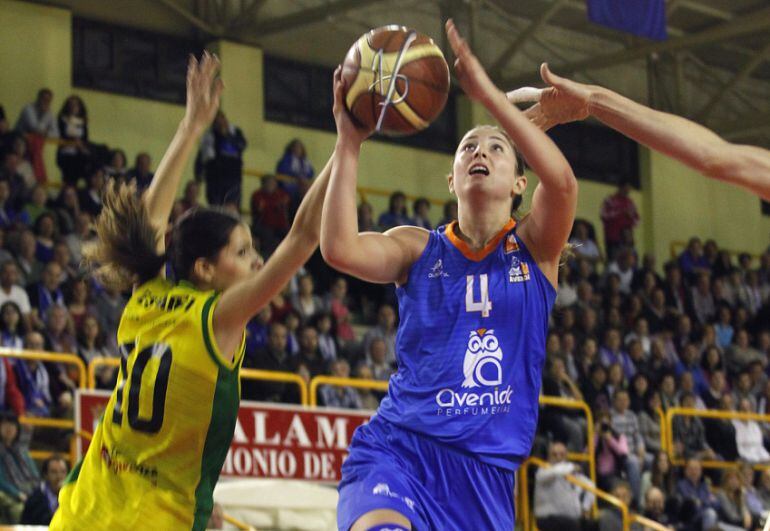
(482,359)
(519,271)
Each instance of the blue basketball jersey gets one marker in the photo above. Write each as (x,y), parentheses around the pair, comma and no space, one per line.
(471,346)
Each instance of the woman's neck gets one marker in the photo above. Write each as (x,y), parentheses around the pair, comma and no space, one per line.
(477,225)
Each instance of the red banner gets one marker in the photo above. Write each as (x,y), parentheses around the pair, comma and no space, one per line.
(270,440)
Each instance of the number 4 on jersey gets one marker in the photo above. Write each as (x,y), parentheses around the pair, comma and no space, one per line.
(484,304)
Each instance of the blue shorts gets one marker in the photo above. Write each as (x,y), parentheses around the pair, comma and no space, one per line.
(433,485)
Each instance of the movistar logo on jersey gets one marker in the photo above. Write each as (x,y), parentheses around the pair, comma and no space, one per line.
(482,368)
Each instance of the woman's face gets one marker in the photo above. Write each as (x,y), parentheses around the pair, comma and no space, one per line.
(616,374)
(10,317)
(46,227)
(57,321)
(8,431)
(485,163)
(663,463)
(90,328)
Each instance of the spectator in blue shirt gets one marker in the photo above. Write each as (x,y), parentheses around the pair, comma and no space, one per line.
(396,214)
(690,362)
(612,352)
(692,260)
(697,501)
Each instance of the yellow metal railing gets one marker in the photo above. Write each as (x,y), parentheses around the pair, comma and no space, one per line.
(646,523)
(526,517)
(277,376)
(68,359)
(237,523)
(99,362)
(359,383)
(712,414)
(662,421)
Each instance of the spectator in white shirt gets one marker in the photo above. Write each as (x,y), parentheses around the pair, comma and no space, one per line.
(748,437)
(11,291)
(559,504)
(37,118)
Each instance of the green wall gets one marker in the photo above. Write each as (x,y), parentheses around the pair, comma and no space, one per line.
(675,202)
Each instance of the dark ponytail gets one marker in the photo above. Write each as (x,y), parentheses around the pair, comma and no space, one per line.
(125,252)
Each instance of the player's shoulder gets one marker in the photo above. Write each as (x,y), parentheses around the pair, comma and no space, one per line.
(414,239)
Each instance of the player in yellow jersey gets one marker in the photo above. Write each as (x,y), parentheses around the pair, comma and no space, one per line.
(157,453)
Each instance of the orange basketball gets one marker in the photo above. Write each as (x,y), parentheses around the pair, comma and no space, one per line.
(397,80)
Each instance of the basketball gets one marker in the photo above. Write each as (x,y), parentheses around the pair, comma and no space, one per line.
(397,80)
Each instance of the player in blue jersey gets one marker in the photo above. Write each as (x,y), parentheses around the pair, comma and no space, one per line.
(474,299)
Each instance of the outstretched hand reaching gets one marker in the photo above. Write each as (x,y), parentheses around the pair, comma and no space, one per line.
(563,101)
(470,74)
(204,89)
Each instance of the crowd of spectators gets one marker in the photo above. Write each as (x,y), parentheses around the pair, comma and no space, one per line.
(625,339)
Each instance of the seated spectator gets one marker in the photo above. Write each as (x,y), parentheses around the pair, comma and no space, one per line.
(716,389)
(72,156)
(720,433)
(91,346)
(748,436)
(309,355)
(292,322)
(701,299)
(190,196)
(744,390)
(376,360)
(692,260)
(616,380)
(33,380)
(649,424)
(421,208)
(30,269)
(336,303)
(337,395)
(623,266)
(689,433)
(566,292)
(366,218)
(257,330)
(91,196)
(758,380)
(386,330)
(37,205)
(660,475)
(396,214)
(687,386)
(67,208)
(763,489)
(638,392)
(559,504)
(733,512)
(141,173)
(595,389)
(697,503)
(327,344)
(450,213)
(610,518)
(625,422)
(108,308)
(46,294)
(274,357)
(18,473)
(42,502)
(305,301)
(117,168)
(10,217)
(10,291)
(740,354)
(640,333)
(46,234)
(655,506)
(753,500)
(12,327)
(77,299)
(20,147)
(270,212)
(369,399)
(583,245)
(294,161)
(612,352)
(17,190)
(711,363)
(690,361)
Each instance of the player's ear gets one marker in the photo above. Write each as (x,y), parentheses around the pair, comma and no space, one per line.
(203,270)
(519,185)
(450,179)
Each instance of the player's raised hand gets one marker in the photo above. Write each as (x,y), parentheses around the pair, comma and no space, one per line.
(346,128)
(563,101)
(203,90)
(470,74)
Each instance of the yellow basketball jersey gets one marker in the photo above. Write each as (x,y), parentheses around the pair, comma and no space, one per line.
(157,453)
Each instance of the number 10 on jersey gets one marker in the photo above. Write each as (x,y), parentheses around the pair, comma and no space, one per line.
(484,305)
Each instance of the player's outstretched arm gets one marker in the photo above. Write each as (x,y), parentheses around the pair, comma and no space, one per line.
(371,256)
(245,299)
(203,92)
(692,144)
(554,202)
